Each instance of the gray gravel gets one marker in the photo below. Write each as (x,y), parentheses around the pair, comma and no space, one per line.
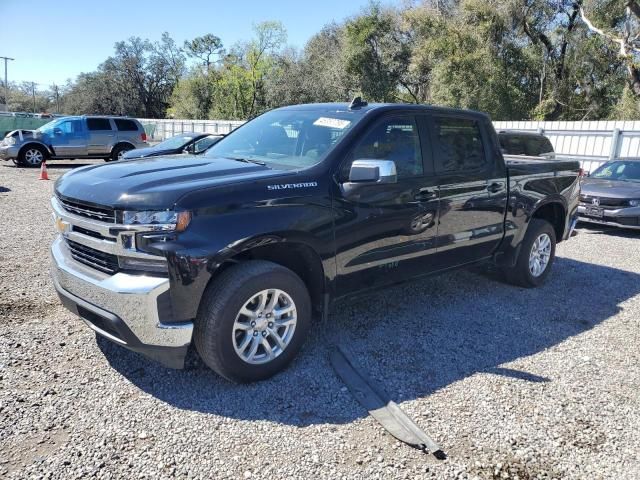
(512,383)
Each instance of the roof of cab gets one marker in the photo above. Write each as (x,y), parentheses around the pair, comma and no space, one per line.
(345,107)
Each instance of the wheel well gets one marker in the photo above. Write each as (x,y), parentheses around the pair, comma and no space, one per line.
(297,257)
(554,214)
(120,144)
(34,144)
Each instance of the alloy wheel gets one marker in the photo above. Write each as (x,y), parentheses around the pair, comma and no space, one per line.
(264,326)
(540,255)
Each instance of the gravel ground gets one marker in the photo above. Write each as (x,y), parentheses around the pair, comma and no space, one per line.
(512,383)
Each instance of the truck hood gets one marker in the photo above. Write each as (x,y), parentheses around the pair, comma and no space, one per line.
(595,187)
(157,182)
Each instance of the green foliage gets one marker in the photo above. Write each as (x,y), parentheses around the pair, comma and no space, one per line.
(628,107)
(514,59)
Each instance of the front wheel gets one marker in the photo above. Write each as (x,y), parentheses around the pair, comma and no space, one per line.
(252,321)
(31,156)
(536,257)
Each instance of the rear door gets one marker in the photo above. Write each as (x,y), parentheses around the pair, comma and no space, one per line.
(386,233)
(101,136)
(472,186)
(69,139)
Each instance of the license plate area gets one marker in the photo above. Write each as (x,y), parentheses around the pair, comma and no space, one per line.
(594,212)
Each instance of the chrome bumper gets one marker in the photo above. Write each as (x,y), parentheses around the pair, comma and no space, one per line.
(130,303)
(611,217)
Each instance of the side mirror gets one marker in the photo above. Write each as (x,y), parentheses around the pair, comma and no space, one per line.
(373,171)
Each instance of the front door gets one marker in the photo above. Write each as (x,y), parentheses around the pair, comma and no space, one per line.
(473,190)
(69,139)
(386,232)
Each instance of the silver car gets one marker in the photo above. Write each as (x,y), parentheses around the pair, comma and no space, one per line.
(74,137)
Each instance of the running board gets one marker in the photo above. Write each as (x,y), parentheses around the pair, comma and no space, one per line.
(379,405)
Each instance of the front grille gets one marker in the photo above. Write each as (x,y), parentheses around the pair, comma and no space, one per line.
(604,201)
(105,262)
(91,233)
(104,214)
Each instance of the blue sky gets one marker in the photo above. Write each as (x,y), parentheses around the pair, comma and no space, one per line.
(55,40)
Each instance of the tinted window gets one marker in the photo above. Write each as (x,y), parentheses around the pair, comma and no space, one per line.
(458,145)
(531,145)
(98,124)
(125,125)
(536,146)
(393,139)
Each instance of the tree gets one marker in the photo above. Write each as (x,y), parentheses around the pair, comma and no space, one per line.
(622,28)
(204,48)
(377,53)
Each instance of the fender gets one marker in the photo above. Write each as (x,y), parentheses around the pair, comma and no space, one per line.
(216,239)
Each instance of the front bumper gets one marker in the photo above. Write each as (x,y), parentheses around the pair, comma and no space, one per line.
(122,307)
(622,217)
(8,152)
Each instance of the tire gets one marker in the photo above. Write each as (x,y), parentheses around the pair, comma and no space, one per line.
(32,156)
(222,330)
(525,273)
(118,151)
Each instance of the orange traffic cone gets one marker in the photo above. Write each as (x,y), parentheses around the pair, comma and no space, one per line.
(43,171)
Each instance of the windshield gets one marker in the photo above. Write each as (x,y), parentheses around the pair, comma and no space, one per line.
(619,170)
(287,138)
(47,128)
(174,142)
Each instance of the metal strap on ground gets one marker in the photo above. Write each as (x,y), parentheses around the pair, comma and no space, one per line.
(380,406)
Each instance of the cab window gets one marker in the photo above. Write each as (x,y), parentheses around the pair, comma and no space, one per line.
(458,145)
(394,139)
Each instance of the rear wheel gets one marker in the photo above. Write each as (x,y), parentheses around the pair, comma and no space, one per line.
(118,152)
(252,321)
(32,156)
(536,256)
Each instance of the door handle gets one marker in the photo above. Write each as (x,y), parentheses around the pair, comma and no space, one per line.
(495,187)
(426,194)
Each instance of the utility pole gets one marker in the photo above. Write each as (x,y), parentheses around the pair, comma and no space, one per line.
(55,91)
(33,94)
(6,84)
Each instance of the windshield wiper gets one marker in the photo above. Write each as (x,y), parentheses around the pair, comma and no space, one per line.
(248,160)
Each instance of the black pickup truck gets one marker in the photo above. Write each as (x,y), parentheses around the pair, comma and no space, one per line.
(237,250)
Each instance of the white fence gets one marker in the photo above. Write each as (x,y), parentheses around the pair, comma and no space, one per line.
(159,130)
(594,142)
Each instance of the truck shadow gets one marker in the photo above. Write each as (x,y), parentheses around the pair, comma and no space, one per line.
(414,340)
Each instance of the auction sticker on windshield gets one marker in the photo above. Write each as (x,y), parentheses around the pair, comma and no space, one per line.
(332,122)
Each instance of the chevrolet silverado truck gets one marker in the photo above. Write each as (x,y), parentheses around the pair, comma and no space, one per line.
(237,250)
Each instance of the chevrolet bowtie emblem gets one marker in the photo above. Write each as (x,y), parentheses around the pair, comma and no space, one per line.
(61,225)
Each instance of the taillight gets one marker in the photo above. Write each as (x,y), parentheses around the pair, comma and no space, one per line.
(143,136)
(581,172)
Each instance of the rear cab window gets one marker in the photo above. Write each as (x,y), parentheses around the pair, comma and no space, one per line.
(458,145)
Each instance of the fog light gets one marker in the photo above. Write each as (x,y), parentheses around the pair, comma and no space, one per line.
(143,264)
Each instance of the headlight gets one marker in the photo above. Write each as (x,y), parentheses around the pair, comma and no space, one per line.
(634,203)
(9,141)
(158,220)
